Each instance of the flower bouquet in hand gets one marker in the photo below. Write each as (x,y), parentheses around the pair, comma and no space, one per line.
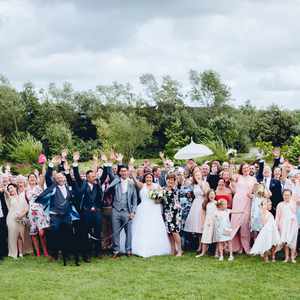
(156,195)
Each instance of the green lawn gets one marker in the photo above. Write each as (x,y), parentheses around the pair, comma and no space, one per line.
(155,278)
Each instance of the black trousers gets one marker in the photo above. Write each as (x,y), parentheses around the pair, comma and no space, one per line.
(60,229)
(91,224)
(3,238)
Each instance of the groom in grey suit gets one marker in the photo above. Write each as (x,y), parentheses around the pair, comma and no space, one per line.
(124,207)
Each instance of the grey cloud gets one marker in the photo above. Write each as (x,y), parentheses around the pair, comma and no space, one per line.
(252,44)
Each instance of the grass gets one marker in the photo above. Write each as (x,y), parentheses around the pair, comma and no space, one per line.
(155,278)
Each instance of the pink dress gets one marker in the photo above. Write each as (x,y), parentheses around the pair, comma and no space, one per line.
(241,222)
(286,220)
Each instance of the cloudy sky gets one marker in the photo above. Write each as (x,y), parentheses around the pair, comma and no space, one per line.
(253,44)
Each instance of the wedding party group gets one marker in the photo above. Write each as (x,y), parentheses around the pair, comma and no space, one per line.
(216,208)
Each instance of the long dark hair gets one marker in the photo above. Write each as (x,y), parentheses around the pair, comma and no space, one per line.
(241,168)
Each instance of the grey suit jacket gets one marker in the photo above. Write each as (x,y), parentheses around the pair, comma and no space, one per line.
(115,189)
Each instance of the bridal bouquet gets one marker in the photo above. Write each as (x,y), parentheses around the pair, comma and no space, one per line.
(156,195)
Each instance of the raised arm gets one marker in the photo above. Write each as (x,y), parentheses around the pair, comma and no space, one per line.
(78,179)
(137,183)
(56,160)
(41,177)
(277,158)
(70,181)
(260,175)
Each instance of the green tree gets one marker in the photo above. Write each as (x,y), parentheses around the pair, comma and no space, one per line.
(208,89)
(124,133)
(176,136)
(275,125)
(11,110)
(294,150)
(57,137)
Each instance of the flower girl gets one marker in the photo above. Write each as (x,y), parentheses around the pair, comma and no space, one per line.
(268,238)
(259,192)
(286,220)
(210,208)
(223,229)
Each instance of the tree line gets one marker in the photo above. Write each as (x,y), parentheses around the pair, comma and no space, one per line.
(162,118)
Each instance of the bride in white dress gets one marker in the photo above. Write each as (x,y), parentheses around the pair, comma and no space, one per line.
(149,235)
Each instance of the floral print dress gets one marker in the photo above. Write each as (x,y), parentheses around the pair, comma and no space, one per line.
(172,211)
(186,199)
(37,217)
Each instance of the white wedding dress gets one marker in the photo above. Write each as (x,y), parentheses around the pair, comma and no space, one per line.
(149,235)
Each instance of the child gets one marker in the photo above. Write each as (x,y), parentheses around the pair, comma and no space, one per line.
(286,221)
(255,223)
(209,205)
(268,238)
(223,229)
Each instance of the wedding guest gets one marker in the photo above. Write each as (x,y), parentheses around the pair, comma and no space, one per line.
(223,229)
(156,174)
(115,169)
(91,202)
(213,177)
(252,170)
(58,199)
(172,214)
(190,166)
(140,173)
(225,175)
(186,197)
(21,184)
(268,238)
(242,186)
(159,177)
(276,188)
(210,207)
(286,221)
(225,166)
(38,219)
(3,225)
(224,192)
(259,194)
(195,220)
(205,169)
(16,220)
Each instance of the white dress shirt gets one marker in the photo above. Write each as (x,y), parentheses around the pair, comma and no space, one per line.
(267,182)
(91,186)
(124,185)
(1,211)
(63,190)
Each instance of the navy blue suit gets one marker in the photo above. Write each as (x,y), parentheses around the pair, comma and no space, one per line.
(3,227)
(90,205)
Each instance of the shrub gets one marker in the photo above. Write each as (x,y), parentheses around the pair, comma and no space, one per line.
(24,148)
(86,148)
(266,148)
(293,151)
(57,137)
(218,148)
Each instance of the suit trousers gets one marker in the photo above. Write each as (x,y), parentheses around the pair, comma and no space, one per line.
(3,237)
(120,220)
(60,225)
(91,223)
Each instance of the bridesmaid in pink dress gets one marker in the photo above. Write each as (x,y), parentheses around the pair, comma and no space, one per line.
(243,187)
